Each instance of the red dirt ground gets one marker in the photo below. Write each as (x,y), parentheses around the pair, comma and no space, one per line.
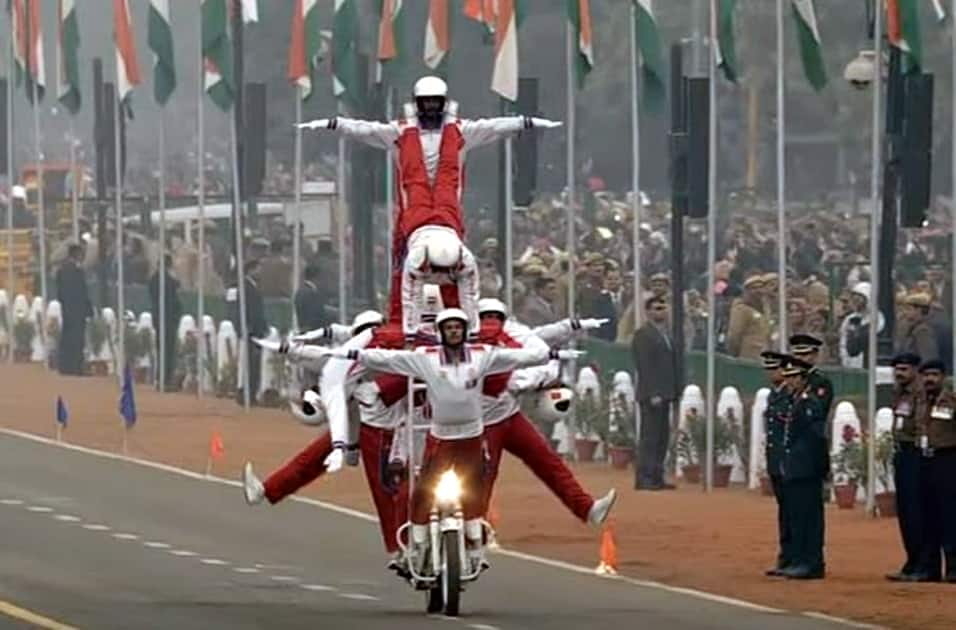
(719,543)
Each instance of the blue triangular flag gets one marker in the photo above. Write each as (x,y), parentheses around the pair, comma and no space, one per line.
(62,415)
(127,403)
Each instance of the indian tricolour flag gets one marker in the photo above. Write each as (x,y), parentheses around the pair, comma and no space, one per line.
(437,41)
(726,50)
(68,65)
(345,84)
(217,53)
(903,29)
(160,36)
(808,36)
(305,45)
(390,40)
(579,15)
(28,52)
(127,65)
(504,77)
(653,77)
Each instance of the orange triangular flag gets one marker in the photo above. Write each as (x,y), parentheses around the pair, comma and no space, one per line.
(216,448)
(608,565)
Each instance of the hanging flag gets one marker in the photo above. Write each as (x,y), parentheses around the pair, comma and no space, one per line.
(62,415)
(67,63)
(160,36)
(127,65)
(250,11)
(482,11)
(217,53)
(390,41)
(437,41)
(579,13)
(653,71)
(504,77)
(345,53)
(28,52)
(726,50)
(903,30)
(305,45)
(940,11)
(127,403)
(808,35)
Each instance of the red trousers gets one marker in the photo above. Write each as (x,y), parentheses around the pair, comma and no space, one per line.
(520,438)
(391,503)
(464,456)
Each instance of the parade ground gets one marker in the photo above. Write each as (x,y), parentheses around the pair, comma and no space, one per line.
(165,545)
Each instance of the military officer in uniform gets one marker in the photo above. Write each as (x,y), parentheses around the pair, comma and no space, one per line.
(803,469)
(906,473)
(807,348)
(775,416)
(936,442)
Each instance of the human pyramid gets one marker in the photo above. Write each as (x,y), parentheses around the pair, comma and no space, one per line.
(471,357)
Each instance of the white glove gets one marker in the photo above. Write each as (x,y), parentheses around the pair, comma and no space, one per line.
(312,335)
(318,123)
(333,463)
(592,324)
(544,123)
(567,355)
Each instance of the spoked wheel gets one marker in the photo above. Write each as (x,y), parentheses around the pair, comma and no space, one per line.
(451,572)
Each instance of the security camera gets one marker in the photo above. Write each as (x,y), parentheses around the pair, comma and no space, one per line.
(861,72)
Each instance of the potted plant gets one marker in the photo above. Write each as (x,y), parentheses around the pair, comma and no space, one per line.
(97,331)
(23,333)
(186,370)
(692,448)
(886,499)
(849,464)
(620,434)
(727,436)
(589,412)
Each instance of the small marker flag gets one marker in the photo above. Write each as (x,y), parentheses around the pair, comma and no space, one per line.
(127,403)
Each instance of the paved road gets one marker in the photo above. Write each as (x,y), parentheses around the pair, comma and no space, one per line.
(100,543)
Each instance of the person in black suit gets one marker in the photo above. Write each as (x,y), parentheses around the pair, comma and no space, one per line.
(174,311)
(256,323)
(655,362)
(74,299)
(310,301)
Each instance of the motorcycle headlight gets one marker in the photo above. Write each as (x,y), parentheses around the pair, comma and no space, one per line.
(448,490)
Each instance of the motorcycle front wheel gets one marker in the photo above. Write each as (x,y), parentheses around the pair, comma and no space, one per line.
(451,572)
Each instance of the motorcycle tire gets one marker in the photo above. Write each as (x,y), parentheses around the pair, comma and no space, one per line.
(451,572)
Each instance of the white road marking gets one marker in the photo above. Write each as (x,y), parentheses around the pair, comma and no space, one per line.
(362,597)
(319,588)
(126,536)
(183,553)
(96,528)
(214,562)
(152,544)
(482,626)
(66,518)
(845,622)
(39,508)
(11,502)
(283,578)
(589,571)
(246,570)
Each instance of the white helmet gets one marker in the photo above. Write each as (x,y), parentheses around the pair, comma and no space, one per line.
(553,404)
(443,250)
(309,409)
(430,86)
(449,314)
(365,319)
(863,289)
(492,305)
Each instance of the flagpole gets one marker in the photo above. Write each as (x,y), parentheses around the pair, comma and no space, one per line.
(874,309)
(245,359)
(297,228)
(635,171)
(781,189)
(340,194)
(509,225)
(118,248)
(74,193)
(711,245)
(953,189)
(389,189)
(11,289)
(41,209)
(201,202)
(161,360)
(570,169)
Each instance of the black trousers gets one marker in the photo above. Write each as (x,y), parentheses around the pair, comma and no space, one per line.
(939,503)
(652,450)
(69,352)
(907,469)
(169,365)
(805,521)
(785,553)
(255,373)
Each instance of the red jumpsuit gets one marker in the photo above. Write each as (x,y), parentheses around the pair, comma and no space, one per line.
(517,435)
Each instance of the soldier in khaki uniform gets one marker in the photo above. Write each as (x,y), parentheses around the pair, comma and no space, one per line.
(748,332)
(916,332)
(936,441)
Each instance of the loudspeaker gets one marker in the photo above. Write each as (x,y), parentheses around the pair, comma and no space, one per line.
(916,161)
(698,158)
(678,134)
(525,176)
(254,132)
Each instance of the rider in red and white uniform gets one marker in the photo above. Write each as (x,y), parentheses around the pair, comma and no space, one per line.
(431,143)
(506,428)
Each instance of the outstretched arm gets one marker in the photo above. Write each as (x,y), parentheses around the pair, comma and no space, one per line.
(373,133)
(407,362)
(486,130)
(562,331)
(498,360)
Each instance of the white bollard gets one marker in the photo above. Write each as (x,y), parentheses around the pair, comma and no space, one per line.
(730,408)
(227,357)
(38,347)
(269,379)
(884,425)
(758,438)
(692,400)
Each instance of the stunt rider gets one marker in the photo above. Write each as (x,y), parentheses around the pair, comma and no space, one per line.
(431,142)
